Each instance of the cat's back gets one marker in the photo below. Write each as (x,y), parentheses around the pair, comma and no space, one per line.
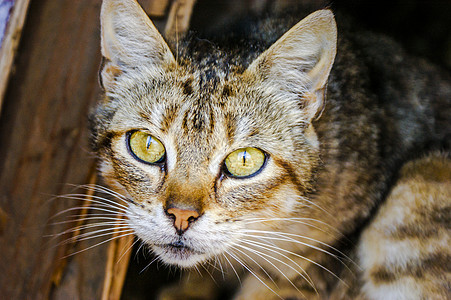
(404,252)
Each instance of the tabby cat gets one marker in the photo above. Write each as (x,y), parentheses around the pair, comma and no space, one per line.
(272,154)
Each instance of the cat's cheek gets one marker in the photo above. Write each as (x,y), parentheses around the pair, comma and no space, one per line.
(150,224)
(249,195)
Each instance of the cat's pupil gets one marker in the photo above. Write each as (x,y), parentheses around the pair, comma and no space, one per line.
(149,142)
(244,158)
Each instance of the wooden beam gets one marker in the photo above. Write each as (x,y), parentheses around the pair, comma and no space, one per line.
(179,18)
(11,42)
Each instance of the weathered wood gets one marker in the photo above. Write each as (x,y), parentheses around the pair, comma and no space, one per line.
(179,18)
(157,8)
(119,253)
(45,145)
(11,42)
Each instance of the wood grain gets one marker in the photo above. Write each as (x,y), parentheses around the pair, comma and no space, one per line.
(179,18)
(11,42)
(44,142)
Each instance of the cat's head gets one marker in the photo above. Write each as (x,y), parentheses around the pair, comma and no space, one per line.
(205,154)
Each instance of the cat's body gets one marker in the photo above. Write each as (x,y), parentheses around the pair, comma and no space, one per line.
(329,162)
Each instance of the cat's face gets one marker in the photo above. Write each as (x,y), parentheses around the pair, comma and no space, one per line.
(207,156)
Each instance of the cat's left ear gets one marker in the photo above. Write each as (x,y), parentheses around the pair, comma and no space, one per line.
(129,39)
(297,65)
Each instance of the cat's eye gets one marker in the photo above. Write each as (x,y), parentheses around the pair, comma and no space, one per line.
(245,162)
(145,147)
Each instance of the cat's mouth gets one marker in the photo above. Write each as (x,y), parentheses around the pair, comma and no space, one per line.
(180,247)
(178,253)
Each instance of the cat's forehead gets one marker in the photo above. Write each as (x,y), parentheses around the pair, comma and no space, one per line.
(202,107)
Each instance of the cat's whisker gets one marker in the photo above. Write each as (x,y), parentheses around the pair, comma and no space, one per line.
(82,197)
(214,266)
(98,234)
(218,261)
(304,274)
(92,187)
(231,265)
(197,270)
(208,272)
(93,203)
(126,251)
(82,218)
(95,234)
(299,221)
(295,220)
(149,264)
(290,237)
(255,262)
(303,257)
(142,244)
(100,243)
(78,208)
(93,225)
(105,190)
(265,255)
(316,205)
(253,273)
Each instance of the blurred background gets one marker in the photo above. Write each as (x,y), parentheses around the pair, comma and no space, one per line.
(48,88)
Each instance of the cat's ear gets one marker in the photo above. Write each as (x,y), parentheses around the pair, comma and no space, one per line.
(129,39)
(298,64)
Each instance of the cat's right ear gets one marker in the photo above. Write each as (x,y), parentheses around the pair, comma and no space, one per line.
(296,67)
(129,40)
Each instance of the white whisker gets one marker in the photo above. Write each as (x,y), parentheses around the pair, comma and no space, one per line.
(98,244)
(253,273)
(303,257)
(77,208)
(105,190)
(284,236)
(295,220)
(255,262)
(81,218)
(93,225)
(82,197)
(231,265)
(316,205)
(264,255)
(126,251)
(148,265)
(306,277)
(95,234)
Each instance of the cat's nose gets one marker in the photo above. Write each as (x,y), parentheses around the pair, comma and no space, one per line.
(182,218)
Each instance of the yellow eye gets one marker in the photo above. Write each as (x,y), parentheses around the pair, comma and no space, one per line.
(146,147)
(245,162)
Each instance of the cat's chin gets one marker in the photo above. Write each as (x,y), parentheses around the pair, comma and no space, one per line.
(184,257)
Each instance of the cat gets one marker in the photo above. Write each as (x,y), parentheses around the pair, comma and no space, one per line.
(275,149)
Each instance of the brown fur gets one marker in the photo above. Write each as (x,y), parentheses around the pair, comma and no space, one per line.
(332,153)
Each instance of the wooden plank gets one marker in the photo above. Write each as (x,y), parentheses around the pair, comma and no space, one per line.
(44,139)
(10,42)
(156,8)
(119,253)
(179,18)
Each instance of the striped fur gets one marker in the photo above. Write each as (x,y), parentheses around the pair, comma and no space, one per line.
(332,154)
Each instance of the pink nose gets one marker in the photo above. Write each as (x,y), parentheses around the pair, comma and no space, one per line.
(182,218)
